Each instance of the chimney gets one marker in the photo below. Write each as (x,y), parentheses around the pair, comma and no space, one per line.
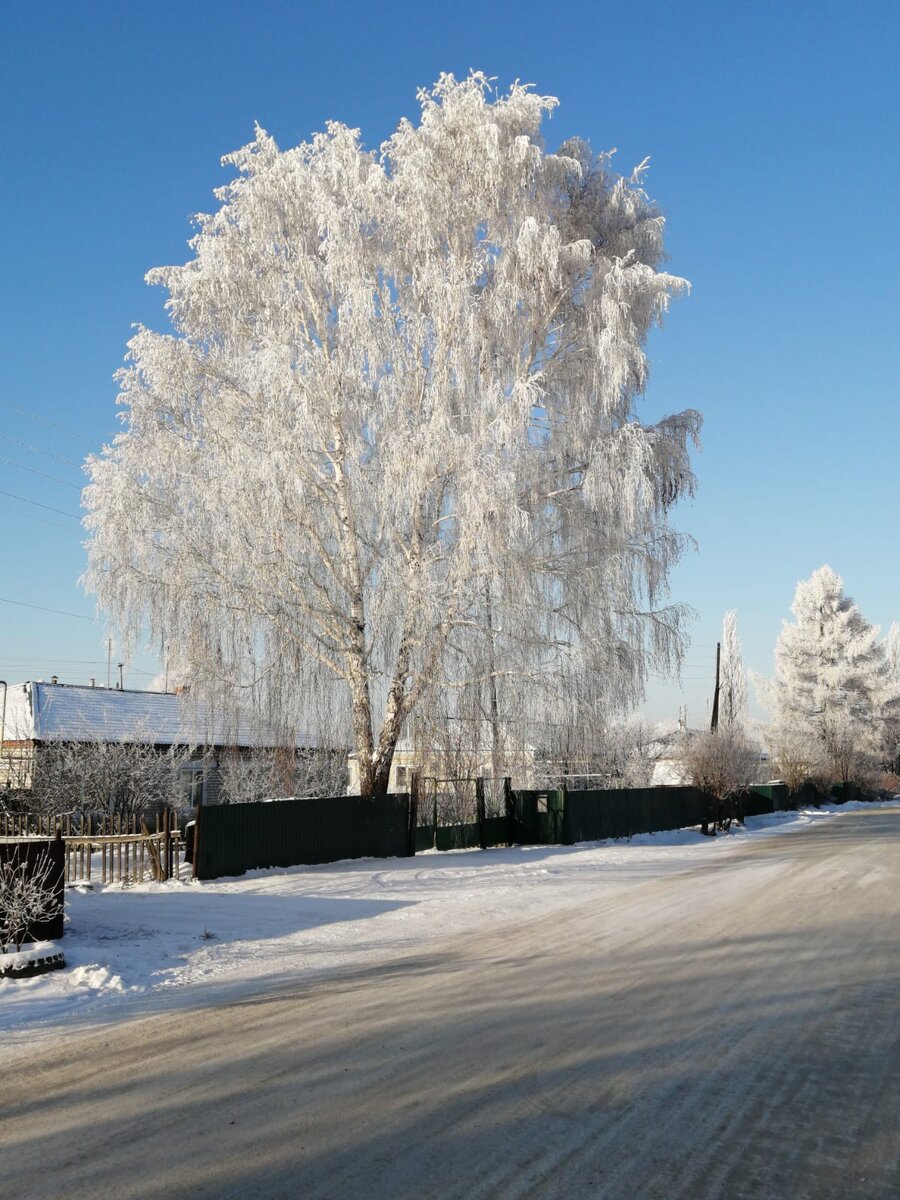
(93,684)
(54,679)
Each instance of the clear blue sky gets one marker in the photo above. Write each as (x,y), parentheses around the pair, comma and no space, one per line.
(773,134)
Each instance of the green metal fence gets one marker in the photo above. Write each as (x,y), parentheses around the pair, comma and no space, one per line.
(765,798)
(536,816)
(463,837)
(622,812)
(283,833)
(234,838)
(566,817)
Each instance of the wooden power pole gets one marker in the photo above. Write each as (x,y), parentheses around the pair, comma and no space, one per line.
(714,722)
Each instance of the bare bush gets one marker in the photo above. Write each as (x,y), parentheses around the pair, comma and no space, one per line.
(27,895)
(264,773)
(723,764)
(124,778)
(793,758)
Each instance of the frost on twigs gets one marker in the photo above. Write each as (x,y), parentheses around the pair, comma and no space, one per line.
(28,895)
(391,447)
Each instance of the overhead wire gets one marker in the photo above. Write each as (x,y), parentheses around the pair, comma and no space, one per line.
(43,474)
(45,421)
(37,504)
(70,462)
(34,517)
(40,608)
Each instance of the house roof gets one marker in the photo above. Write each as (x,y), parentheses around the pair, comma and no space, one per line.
(73,713)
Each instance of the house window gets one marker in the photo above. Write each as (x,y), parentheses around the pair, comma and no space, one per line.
(191,784)
(402,777)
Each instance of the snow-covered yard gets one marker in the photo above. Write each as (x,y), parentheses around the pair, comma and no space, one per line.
(138,949)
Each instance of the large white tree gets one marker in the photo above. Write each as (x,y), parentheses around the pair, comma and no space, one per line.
(833,689)
(391,440)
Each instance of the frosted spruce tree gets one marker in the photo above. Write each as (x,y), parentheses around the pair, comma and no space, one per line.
(733,689)
(833,689)
(390,446)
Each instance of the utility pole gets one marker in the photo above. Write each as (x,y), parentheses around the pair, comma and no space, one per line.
(121,682)
(714,723)
(3,718)
(109,663)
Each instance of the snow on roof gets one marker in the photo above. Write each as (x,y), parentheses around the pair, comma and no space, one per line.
(74,713)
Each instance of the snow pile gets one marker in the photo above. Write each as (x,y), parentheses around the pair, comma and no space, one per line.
(137,949)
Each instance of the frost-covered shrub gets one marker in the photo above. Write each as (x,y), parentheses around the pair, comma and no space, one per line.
(28,894)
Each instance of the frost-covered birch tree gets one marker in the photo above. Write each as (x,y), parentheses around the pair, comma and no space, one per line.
(833,689)
(733,706)
(391,441)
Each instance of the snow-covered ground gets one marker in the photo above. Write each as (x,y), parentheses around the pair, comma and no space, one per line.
(142,948)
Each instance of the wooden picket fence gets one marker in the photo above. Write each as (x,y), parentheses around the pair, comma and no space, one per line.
(124,858)
(106,847)
(77,824)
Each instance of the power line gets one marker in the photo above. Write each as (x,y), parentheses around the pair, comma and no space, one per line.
(34,517)
(40,608)
(43,474)
(43,662)
(27,665)
(70,462)
(45,421)
(37,504)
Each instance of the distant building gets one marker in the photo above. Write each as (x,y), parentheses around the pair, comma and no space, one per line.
(447,766)
(39,714)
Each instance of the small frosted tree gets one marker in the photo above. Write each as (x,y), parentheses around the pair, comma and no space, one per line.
(733,689)
(833,690)
(392,441)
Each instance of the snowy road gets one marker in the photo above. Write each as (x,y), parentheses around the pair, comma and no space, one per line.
(730,1029)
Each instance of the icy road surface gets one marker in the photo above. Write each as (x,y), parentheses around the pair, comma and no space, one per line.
(698,1020)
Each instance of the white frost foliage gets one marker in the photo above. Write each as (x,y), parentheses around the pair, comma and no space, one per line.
(398,383)
(833,688)
(27,895)
(893,649)
(733,690)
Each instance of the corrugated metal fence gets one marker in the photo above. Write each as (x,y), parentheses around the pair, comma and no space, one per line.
(566,817)
(234,838)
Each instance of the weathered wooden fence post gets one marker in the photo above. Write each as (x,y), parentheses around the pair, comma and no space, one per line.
(167,843)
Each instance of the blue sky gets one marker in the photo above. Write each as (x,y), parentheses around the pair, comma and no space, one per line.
(772,130)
